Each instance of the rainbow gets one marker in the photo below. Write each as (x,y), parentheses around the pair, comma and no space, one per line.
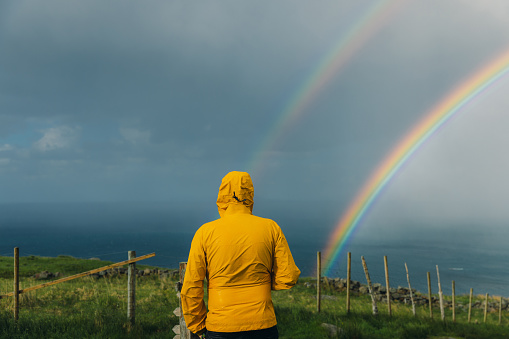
(330,65)
(433,120)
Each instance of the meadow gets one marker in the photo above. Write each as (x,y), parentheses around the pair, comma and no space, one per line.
(97,308)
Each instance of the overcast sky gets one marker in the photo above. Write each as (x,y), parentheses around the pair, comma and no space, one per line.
(157,101)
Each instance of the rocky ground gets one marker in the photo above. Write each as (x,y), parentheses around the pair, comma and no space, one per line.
(400,294)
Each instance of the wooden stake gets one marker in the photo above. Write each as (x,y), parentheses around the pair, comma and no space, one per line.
(131,289)
(470,304)
(318,279)
(388,286)
(410,288)
(429,297)
(104,268)
(16,283)
(486,308)
(441,296)
(500,312)
(348,278)
(453,302)
(373,300)
(184,331)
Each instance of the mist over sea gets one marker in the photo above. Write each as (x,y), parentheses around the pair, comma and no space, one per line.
(472,257)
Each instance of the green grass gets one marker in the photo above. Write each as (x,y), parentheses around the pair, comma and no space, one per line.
(90,308)
(303,321)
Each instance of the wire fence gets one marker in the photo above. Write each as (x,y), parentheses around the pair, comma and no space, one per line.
(389,294)
(465,279)
(380,271)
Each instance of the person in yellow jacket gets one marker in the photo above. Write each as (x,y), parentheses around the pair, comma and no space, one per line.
(243,257)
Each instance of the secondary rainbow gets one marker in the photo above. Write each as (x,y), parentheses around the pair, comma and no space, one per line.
(433,120)
(326,70)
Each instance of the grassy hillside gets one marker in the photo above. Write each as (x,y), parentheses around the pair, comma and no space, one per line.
(96,308)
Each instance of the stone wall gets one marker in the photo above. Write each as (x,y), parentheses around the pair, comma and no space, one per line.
(112,272)
(399,294)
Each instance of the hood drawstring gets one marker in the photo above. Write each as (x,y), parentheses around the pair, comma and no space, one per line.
(235,197)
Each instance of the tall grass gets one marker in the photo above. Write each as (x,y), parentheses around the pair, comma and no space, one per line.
(89,308)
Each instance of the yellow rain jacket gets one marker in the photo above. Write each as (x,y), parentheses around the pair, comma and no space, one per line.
(242,257)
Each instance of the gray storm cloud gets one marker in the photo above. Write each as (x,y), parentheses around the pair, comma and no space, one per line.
(122,100)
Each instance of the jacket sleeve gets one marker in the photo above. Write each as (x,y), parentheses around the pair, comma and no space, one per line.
(193,305)
(284,271)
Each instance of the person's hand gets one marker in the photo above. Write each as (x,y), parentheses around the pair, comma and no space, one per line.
(199,334)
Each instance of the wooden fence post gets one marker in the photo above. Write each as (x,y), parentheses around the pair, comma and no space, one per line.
(486,308)
(184,331)
(429,297)
(441,296)
(131,289)
(318,278)
(388,286)
(410,288)
(500,312)
(348,278)
(373,300)
(470,304)
(16,283)
(453,302)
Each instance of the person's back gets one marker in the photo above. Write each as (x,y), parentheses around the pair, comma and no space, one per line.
(243,257)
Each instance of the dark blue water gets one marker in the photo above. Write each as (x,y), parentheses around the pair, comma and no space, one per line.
(473,259)
(481,266)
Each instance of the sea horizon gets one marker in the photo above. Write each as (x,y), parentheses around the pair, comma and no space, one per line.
(471,260)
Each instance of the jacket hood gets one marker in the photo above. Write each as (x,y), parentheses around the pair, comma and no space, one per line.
(236,189)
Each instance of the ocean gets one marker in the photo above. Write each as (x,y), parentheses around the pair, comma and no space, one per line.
(471,257)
